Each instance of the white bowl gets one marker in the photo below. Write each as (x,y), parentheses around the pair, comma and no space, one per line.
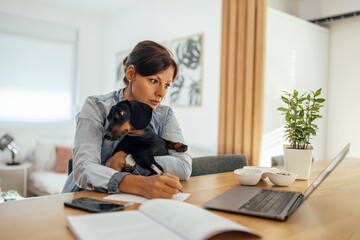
(264,170)
(248,176)
(283,178)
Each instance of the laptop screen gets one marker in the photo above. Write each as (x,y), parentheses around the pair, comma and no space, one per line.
(327,171)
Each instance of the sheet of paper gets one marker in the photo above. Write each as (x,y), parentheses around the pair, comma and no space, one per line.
(126,225)
(181,217)
(124,197)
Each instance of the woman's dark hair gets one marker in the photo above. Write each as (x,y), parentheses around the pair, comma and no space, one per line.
(149,58)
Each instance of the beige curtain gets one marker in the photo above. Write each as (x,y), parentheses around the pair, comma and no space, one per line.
(241,80)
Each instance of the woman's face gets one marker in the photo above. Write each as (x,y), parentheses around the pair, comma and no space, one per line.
(149,89)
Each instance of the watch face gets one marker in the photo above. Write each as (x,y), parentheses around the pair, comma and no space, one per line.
(130,163)
(130,160)
(129,168)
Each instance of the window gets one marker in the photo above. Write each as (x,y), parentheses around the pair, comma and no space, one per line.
(37,70)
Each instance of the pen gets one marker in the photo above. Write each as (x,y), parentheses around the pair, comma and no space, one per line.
(158,171)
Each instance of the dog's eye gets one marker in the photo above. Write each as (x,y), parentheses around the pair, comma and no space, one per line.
(120,113)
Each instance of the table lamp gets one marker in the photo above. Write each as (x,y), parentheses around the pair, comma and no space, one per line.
(7,142)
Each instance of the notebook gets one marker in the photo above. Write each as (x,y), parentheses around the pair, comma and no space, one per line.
(269,203)
(155,219)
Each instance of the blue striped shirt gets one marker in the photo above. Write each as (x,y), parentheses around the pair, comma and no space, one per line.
(91,150)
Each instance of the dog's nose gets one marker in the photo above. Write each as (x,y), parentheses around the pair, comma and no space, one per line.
(107,135)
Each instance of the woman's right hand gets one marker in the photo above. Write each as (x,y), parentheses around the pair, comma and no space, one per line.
(160,186)
(155,186)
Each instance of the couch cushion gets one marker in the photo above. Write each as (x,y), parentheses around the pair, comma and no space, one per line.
(48,182)
(45,153)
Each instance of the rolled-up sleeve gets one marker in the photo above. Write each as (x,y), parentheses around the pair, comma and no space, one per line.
(178,164)
(88,171)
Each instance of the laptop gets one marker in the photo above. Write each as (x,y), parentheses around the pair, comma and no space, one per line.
(269,203)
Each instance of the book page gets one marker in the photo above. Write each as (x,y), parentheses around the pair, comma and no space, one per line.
(188,220)
(126,197)
(118,225)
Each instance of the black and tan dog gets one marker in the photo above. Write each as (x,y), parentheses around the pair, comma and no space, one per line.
(130,122)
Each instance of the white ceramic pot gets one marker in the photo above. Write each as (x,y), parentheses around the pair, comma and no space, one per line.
(298,161)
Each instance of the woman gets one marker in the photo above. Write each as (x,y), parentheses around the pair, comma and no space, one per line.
(149,71)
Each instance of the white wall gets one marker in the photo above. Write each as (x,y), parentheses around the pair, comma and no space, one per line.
(286,6)
(296,57)
(163,21)
(90,66)
(102,37)
(344,85)
(343,82)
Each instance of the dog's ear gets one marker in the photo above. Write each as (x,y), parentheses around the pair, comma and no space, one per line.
(141,114)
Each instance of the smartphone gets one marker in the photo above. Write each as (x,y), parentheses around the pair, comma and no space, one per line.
(93,205)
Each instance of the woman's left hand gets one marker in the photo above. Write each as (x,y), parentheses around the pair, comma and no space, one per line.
(117,161)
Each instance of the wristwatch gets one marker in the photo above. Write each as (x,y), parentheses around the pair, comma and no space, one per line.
(130,163)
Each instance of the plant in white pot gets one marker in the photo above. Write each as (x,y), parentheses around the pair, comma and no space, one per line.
(300,114)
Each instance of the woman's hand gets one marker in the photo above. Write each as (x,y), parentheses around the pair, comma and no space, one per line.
(117,161)
(155,186)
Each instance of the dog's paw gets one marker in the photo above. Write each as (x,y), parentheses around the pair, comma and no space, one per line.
(181,148)
(177,146)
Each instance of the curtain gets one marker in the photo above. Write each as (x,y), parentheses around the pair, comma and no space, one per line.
(242,78)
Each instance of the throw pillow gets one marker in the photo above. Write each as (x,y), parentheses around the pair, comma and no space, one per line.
(63,155)
(45,152)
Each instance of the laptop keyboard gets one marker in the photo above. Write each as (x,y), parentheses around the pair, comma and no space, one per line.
(268,201)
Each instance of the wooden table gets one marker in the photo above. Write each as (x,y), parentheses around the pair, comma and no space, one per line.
(331,212)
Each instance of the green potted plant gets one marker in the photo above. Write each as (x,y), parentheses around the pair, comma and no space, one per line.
(301,113)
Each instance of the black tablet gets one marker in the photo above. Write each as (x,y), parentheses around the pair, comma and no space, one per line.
(93,205)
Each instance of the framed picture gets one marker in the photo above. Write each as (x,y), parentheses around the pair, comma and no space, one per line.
(186,89)
(120,68)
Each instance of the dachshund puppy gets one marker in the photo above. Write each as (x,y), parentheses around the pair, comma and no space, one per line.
(129,121)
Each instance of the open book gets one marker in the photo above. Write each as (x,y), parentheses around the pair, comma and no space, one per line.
(155,219)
